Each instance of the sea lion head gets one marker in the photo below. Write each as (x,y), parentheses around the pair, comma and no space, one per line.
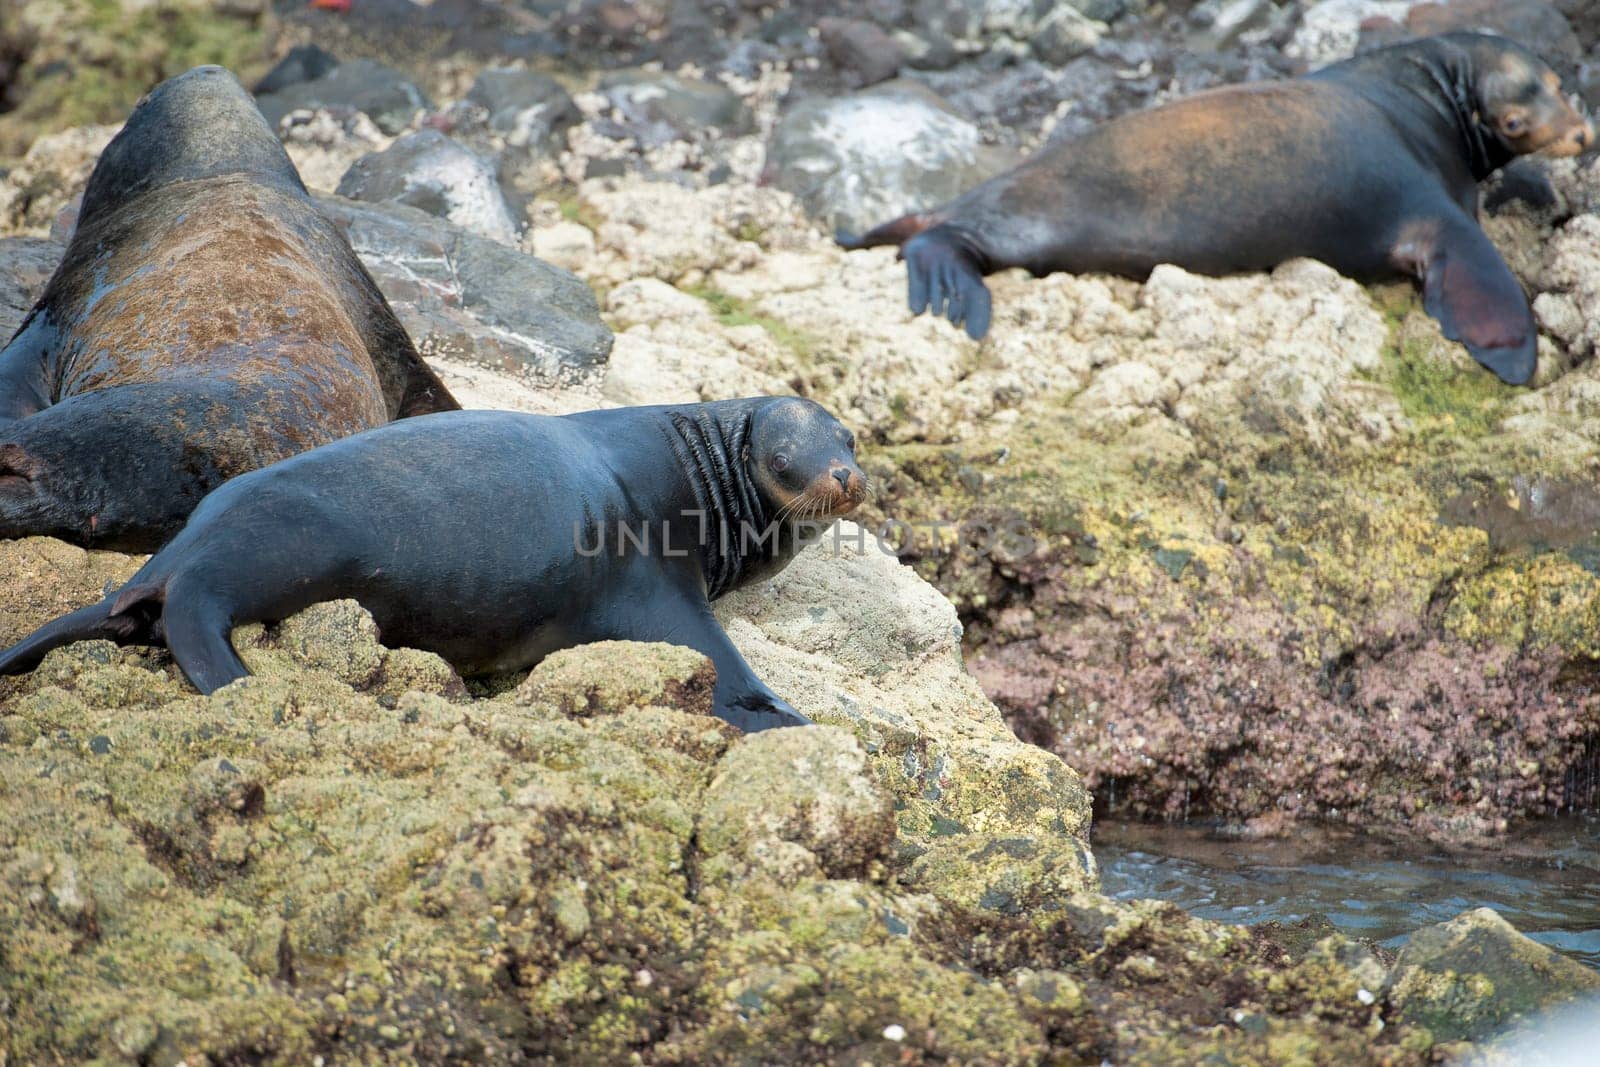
(200,124)
(803,462)
(1521,102)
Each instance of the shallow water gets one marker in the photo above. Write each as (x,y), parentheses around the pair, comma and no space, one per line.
(1544,878)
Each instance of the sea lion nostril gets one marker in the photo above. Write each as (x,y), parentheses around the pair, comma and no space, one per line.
(842,476)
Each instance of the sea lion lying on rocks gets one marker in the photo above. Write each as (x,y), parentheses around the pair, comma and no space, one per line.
(1370,165)
(495,538)
(205,321)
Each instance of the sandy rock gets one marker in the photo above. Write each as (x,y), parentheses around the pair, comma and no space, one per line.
(52,172)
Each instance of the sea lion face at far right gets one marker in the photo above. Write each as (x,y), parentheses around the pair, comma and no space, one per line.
(1523,104)
(803,461)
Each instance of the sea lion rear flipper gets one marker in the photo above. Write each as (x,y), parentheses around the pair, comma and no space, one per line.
(97,621)
(943,273)
(1474,295)
(895,232)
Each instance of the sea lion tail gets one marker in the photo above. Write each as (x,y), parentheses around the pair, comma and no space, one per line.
(945,275)
(120,618)
(897,232)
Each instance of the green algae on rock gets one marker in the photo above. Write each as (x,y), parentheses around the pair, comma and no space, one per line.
(589,867)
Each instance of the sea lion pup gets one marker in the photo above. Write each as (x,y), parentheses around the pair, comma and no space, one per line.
(495,538)
(1370,165)
(206,320)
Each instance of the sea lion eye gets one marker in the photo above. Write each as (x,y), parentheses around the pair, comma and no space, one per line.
(780,462)
(1514,125)
(850,441)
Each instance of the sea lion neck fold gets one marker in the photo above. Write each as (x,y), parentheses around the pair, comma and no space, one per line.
(711,442)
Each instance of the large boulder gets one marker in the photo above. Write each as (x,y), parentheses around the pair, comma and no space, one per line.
(467,299)
(431,172)
(860,160)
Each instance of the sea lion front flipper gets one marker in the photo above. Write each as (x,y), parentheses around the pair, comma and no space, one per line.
(682,617)
(942,273)
(1473,294)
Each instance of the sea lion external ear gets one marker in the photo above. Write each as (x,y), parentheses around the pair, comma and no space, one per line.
(1473,294)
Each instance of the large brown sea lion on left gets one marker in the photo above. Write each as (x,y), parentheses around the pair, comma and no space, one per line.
(205,321)
(1371,165)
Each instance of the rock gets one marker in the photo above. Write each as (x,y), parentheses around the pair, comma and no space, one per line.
(860,160)
(1535,24)
(655,108)
(568,245)
(818,810)
(302,63)
(26,264)
(429,171)
(1329,31)
(528,109)
(49,176)
(1064,34)
(380,92)
(616,676)
(467,299)
(1103,10)
(860,48)
(1474,976)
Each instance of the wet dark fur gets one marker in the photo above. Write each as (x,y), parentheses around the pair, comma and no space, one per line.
(206,320)
(1370,165)
(492,539)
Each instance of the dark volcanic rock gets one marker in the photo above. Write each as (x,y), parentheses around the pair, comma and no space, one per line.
(526,108)
(861,49)
(474,300)
(304,63)
(657,108)
(429,171)
(384,94)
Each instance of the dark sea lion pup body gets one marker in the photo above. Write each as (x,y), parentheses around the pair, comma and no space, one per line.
(495,538)
(206,320)
(1370,165)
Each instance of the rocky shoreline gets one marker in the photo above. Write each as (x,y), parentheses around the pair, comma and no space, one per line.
(1275,552)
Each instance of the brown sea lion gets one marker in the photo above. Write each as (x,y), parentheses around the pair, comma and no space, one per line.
(495,538)
(1371,165)
(206,320)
